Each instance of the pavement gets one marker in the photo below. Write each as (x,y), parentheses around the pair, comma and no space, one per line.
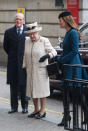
(19,121)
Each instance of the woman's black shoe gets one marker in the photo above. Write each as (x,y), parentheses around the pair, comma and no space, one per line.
(32,114)
(39,116)
(84,122)
(63,121)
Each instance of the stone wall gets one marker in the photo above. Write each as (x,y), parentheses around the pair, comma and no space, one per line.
(43,11)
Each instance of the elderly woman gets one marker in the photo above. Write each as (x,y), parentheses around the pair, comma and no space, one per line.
(37,51)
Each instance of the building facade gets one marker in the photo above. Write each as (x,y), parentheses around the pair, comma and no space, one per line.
(45,12)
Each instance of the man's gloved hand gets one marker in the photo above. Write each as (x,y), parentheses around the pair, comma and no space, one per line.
(43,58)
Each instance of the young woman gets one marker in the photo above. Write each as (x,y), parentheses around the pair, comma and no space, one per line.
(70,54)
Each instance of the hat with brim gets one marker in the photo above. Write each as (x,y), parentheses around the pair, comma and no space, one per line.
(63,14)
(33,28)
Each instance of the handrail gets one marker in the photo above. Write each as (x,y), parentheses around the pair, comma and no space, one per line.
(77,81)
(75,65)
(81,50)
(79,93)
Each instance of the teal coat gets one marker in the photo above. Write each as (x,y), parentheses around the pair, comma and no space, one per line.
(71,55)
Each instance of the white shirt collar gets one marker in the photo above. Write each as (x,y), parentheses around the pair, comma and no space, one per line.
(21,28)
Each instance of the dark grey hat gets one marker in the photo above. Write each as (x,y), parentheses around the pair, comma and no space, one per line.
(66,13)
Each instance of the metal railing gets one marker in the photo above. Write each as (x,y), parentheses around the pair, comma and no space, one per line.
(76,116)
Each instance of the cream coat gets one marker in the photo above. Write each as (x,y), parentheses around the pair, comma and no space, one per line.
(37,76)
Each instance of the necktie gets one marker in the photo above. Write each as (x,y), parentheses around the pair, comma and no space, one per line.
(19,32)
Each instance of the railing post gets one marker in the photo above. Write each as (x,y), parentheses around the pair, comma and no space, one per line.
(75,100)
(80,110)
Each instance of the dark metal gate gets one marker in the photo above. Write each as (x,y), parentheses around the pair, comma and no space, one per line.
(76,111)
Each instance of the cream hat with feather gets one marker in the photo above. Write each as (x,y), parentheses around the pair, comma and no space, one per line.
(33,28)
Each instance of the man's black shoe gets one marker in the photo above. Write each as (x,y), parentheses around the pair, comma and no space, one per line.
(25,110)
(12,111)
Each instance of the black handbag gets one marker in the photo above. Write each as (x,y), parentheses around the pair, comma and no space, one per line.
(53,69)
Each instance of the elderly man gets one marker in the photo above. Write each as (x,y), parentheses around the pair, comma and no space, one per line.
(14,40)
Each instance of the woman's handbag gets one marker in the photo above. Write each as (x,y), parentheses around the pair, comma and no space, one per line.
(54,69)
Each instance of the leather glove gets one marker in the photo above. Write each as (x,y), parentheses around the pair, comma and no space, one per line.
(43,58)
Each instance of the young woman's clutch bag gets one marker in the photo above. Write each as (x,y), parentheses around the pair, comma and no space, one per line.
(53,69)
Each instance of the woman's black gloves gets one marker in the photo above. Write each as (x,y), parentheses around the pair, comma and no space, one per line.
(43,58)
